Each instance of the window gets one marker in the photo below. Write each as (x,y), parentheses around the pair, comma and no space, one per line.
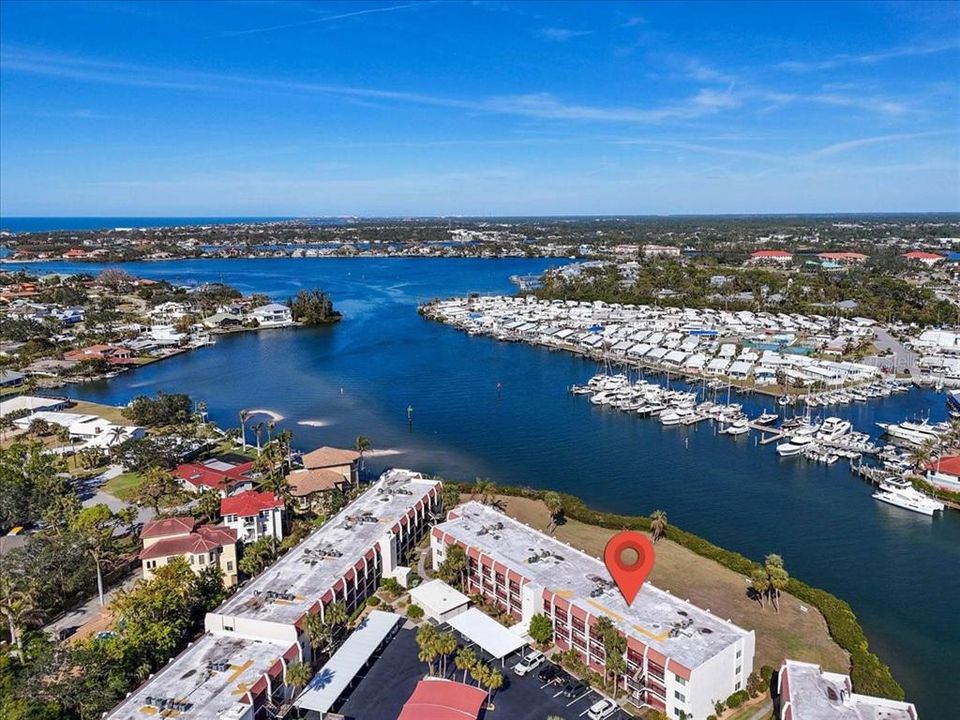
(229,565)
(739,654)
(680,680)
(679,696)
(737,671)
(737,686)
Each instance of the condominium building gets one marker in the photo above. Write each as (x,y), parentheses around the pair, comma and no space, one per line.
(236,671)
(680,658)
(201,546)
(808,693)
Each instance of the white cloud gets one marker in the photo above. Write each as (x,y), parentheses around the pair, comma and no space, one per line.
(870,58)
(562,34)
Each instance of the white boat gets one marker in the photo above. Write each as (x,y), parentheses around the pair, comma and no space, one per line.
(794,446)
(833,428)
(737,427)
(909,499)
(915,433)
(669,417)
(785,400)
(766,418)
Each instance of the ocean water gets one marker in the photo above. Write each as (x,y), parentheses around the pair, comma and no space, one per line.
(897,569)
(49,224)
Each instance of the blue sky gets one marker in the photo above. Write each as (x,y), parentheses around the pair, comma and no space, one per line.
(497,108)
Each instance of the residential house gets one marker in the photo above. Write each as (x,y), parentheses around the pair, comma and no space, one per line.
(10,378)
(202,546)
(324,470)
(253,515)
(273,315)
(113,354)
(221,474)
(927,258)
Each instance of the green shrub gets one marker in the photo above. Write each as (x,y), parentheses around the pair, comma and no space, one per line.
(415,612)
(373,601)
(737,699)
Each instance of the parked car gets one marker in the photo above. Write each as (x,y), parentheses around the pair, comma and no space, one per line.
(602,709)
(573,688)
(529,662)
(550,672)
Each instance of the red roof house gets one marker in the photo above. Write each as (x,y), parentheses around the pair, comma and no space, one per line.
(249,503)
(114,354)
(947,465)
(201,546)
(443,700)
(223,476)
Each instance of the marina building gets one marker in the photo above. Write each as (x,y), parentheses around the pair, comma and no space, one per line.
(680,658)
(236,670)
(809,693)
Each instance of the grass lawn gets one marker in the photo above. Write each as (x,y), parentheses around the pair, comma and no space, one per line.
(794,632)
(107,412)
(124,486)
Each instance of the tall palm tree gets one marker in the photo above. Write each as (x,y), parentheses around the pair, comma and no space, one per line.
(336,616)
(920,455)
(20,608)
(317,633)
(244,416)
(446,644)
(361,445)
(270,426)
(426,641)
(258,432)
(760,582)
(285,438)
(658,524)
(494,681)
(465,659)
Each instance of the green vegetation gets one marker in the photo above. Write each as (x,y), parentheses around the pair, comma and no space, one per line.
(160,410)
(877,287)
(124,486)
(541,629)
(313,307)
(869,674)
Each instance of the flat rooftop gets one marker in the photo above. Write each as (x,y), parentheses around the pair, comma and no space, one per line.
(666,623)
(195,678)
(287,589)
(818,695)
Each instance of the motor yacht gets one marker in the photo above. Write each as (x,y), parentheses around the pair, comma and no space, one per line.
(833,428)
(909,499)
(794,446)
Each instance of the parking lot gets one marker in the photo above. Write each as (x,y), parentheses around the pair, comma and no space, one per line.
(381,693)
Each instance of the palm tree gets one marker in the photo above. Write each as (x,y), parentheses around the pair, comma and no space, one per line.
(244,416)
(62,434)
(20,608)
(336,616)
(361,445)
(778,577)
(258,432)
(493,679)
(554,505)
(658,524)
(465,659)
(270,426)
(285,438)
(920,455)
(116,435)
(298,675)
(317,632)
(426,641)
(760,582)
(445,644)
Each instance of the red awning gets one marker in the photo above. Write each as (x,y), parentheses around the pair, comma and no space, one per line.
(443,700)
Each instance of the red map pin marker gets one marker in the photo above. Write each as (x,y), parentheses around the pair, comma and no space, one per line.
(629,558)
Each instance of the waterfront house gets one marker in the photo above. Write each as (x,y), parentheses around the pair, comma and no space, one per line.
(202,546)
(273,315)
(253,515)
(807,692)
(113,354)
(10,379)
(224,475)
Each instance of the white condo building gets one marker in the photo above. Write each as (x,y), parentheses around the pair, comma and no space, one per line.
(680,658)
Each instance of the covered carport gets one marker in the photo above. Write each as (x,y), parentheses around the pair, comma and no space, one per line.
(486,633)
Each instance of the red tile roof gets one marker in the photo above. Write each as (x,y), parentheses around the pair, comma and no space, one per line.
(248,503)
(949,465)
(204,539)
(167,526)
(920,255)
(772,254)
(201,475)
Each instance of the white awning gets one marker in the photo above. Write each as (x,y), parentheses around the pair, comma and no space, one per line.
(492,637)
(334,678)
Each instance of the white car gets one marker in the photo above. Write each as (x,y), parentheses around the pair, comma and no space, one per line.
(602,709)
(529,662)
